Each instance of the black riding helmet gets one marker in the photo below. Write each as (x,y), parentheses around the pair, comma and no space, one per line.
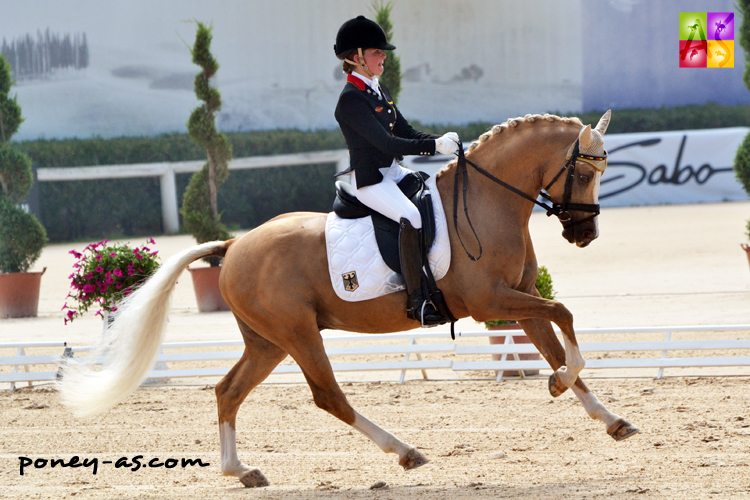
(360,33)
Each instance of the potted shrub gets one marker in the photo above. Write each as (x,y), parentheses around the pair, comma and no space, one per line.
(104,274)
(742,157)
(544,285)
(22,237)
(200,213)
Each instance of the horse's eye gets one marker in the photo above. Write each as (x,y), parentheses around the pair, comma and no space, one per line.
(584,178)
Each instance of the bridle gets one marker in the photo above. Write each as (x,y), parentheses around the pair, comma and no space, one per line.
(560,210)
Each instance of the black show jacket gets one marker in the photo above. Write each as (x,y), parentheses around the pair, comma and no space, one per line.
(375,131)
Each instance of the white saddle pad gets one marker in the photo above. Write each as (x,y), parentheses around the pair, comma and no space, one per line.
(357,270)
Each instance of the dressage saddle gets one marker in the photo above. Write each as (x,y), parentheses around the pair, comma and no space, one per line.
(347,206)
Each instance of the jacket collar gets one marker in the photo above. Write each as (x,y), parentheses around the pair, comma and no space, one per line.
(362,82)
(358,82)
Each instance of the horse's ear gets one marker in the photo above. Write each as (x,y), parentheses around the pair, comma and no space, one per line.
(584,138)
(601,127)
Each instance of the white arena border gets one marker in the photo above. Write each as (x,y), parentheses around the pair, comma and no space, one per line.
(449,354)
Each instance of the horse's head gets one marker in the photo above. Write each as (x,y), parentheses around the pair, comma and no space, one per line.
(576,189)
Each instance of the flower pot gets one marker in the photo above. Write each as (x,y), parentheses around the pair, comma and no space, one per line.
(206,287)
(746,248)
(517,339)
(19,294)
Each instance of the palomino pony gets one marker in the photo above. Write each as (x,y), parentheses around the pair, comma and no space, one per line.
(275,278)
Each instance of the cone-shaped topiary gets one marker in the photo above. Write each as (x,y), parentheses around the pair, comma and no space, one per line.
(392,65)
(22,237)
(200,211)
(742,158)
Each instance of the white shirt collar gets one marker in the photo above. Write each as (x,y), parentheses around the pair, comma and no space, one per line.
(372,83)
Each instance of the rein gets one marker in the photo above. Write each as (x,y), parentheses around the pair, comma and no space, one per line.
(560,210)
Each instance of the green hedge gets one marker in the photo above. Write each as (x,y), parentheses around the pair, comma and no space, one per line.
(89,210)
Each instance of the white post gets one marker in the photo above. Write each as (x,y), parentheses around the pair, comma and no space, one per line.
(169,206)
(663,356)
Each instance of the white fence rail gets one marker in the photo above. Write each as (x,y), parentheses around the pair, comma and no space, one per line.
(166,172)
(616,354)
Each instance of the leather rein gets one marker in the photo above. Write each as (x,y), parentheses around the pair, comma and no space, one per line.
(560,210)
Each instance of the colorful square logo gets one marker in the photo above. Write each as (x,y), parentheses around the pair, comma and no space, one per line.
(706,40)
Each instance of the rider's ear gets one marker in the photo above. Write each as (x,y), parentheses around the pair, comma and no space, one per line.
(584,138)
(601,127)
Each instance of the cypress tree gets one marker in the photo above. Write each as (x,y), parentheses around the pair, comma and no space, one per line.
(392,65)
(742,158)
(22,237)
(199,206)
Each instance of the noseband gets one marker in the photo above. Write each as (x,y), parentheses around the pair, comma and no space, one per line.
(560,210)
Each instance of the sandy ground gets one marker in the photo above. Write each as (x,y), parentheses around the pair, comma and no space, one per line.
(484,440)
(671,265)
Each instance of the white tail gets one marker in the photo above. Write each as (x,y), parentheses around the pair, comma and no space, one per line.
(131,345)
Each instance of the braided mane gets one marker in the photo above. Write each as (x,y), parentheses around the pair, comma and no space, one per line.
(512,123)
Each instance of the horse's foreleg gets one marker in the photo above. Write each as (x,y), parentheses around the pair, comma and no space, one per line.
(617,427)
(541,334)
(327,394)
(530,309)
(257,362)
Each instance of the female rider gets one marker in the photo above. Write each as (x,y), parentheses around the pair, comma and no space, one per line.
(378,137)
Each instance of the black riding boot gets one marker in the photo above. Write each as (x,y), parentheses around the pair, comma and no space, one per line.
(410,253)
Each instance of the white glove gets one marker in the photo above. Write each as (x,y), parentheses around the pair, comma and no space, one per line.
(447,144)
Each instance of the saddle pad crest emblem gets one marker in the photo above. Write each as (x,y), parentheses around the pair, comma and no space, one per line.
(350,281)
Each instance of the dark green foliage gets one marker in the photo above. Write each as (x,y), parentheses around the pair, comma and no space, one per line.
(743,7)
(543,284)
(16,178)
(200,210)
(742,158)
(22,237)
(742,163)
(392,66)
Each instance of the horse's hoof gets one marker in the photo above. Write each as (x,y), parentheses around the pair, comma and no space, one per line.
(556,388)
(412,460)
(622,429)
(254,479)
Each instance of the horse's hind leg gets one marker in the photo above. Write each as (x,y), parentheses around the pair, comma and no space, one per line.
(257,362)
(309,353)
(543,336)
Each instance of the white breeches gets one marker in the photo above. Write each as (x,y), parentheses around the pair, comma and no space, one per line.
(386,198)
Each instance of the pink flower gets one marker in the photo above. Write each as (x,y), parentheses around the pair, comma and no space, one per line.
(75,254)
(151,240)
(88,288)
(99,269)
(90,276)
(64,307)
(109,280)
(118,286)
(99,313)
(154,253)
(138,256)
(117,273)
(98,257)
(70,314)
(113,254)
